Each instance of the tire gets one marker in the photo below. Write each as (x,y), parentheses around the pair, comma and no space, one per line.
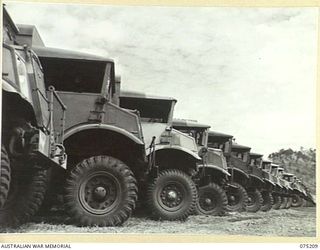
(100,191)
(171,196)
(267,201)
(237,198)
(276,201)
(296,201)
(289,203)
(5,173)
(255,201)
(284,201)
(212,200)
(26,194)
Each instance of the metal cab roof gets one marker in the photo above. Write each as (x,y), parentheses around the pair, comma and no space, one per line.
(240,147)
(288,174)
(255,155)
(142,95)
(273,165)
(67,54)
(188,124)
(218,134)
(29,35)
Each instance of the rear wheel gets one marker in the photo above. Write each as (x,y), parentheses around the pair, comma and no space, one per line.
(254,201)
(267,201)
(212,200)
(5,173)
(237,198)
(276,201)
(101,191)
(26,194)
(172,195)
(296,201)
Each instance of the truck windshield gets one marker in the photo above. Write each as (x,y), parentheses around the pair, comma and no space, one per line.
(197,134)
(151,110)
(74,75)
(8,66)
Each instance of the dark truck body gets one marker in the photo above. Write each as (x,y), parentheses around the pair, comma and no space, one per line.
(29,142)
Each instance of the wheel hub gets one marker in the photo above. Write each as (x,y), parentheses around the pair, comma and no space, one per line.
(208,201)
(172,195)
(100,193)
(232,198)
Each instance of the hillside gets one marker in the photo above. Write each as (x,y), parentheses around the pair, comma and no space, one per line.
(302,163)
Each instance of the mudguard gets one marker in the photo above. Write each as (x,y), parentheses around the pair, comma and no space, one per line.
(256,178)
(185,150)
(268,181)
(88,126)
(215,168)
(239,171)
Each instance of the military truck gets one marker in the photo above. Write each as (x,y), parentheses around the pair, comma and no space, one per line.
(280,192)
(172,194)
(237,195)
(213,176)
(287,190)
(29,143)
(259,180)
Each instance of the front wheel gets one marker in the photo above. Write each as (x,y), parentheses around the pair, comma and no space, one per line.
(267,201)
(212,200)
(276,201)
(172,195)
(237,197)
(27,190)
(284,201)
(100,191)
(5,174)
(255,201)
(289,202)
(296,201)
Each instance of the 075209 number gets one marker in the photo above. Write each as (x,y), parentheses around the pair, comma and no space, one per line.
(309,246)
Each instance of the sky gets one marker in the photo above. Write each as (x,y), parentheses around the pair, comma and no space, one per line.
(248,72)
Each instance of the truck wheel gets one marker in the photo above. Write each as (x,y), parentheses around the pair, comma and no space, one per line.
(100,191)
(296,201)
(289,203)
(254,201)
(212,200)
(267,201)
(5,173)
(276,201)
(284,201)
(172,195)
(237,198)
(27,189)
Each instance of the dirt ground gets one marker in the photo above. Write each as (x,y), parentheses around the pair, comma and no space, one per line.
(286,222)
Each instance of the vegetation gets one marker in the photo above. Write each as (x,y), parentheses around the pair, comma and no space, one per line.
(302,163)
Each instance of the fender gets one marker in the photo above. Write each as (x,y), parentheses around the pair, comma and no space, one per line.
(12,92)
(215,168)
(279,185)
(178,148)
(239,171)
(257,178)
(268,181)
(89,126)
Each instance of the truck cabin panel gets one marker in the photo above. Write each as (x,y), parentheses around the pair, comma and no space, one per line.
(192,128)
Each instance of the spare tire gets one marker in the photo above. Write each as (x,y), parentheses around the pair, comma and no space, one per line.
(100,191)
(5,173)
